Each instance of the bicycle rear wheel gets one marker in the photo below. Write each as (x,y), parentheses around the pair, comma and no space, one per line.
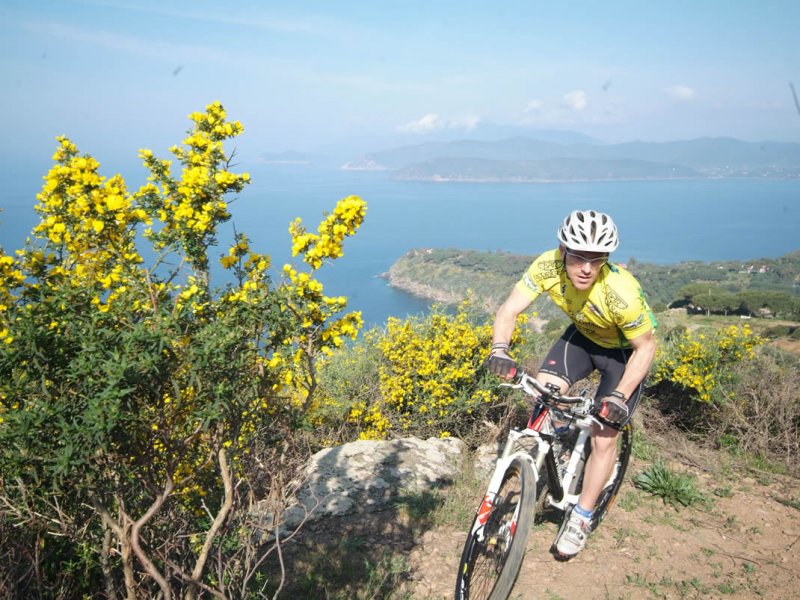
(493,552)
(609,494)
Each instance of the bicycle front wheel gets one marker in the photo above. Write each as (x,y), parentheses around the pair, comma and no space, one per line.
(493,551)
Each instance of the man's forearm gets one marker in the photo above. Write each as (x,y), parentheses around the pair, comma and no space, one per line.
(504,324)
(637,368)
(506,318)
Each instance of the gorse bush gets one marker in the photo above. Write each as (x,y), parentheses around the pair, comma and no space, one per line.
(761,415)
(417,376)
(348,383)
(427,375)
(704,363)
(140,408)
(730,388)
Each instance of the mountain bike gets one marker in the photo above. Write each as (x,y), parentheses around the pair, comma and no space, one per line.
(541,465)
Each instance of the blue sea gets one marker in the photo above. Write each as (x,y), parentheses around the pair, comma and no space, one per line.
(659,221)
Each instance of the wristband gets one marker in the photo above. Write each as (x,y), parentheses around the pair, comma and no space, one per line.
(618,394)
(500,346)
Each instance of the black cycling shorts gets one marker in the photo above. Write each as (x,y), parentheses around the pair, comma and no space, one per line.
(574,356)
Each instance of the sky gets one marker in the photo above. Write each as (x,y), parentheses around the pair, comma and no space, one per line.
(351,77)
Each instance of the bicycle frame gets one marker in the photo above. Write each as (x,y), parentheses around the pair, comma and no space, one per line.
(540,429)
(541,464)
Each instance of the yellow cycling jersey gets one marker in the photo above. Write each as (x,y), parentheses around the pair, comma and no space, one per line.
(609,313)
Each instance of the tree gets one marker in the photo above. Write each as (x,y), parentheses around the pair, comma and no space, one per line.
(135,400)
(710,297)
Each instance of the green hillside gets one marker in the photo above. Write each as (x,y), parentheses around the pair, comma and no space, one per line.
(759,287)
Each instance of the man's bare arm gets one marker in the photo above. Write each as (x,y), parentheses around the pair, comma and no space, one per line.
(644,351)
(506,318)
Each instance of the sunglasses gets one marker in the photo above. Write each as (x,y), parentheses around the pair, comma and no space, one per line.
(580,258)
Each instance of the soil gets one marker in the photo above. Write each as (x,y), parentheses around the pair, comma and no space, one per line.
(792,346)
(744,542)
(746,546)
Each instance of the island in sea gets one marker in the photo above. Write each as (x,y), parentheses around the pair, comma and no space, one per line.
(527,160)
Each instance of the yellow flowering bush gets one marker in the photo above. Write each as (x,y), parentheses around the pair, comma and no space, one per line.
(191,208)
(327,242)
(11,278)
(418,376)
(135,399)
(89,223)
(704,362)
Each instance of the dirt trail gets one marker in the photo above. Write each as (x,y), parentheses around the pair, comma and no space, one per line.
(742,543)
(746,544)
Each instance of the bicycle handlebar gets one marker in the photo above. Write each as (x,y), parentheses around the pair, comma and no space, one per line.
(550,396)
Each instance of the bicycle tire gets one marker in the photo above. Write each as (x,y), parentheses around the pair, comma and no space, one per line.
(609,493)
(489,567)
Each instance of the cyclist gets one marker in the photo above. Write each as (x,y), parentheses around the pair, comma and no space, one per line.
(611,332)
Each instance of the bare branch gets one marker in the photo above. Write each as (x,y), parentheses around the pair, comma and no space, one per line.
(148,565)
(108,575)
(219,520)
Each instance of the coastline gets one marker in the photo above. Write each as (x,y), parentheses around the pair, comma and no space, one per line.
(420,290)
(427,292)
(490,180)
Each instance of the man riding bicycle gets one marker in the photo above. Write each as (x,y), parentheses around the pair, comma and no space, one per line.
(611,332)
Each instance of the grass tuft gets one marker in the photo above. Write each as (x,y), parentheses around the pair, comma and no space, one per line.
(675,489)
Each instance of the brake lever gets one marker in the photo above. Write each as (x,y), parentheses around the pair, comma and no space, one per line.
(513,386)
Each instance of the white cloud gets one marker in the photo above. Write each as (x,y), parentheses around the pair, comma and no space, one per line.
(426,124)
(680,92)
(576,100)
(433,122)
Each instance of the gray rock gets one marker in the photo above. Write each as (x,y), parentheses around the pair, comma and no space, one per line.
(367,474)
(485,459)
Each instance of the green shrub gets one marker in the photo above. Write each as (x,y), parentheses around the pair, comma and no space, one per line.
(704,363)
(142,411)
(776,331)
(673,488)
(418,376)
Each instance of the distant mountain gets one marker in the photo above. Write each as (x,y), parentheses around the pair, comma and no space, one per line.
(518,148)
(551,169)
(714,156)
(344,149)
(706,157)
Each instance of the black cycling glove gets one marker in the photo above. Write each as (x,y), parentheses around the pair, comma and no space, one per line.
(613,408)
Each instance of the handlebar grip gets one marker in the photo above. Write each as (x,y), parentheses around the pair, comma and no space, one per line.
(603,412)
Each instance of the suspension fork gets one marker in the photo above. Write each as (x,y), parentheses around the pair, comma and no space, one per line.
(554,484)
(505,460)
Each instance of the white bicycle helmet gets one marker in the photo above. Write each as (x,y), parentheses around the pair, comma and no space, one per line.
(588,230)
